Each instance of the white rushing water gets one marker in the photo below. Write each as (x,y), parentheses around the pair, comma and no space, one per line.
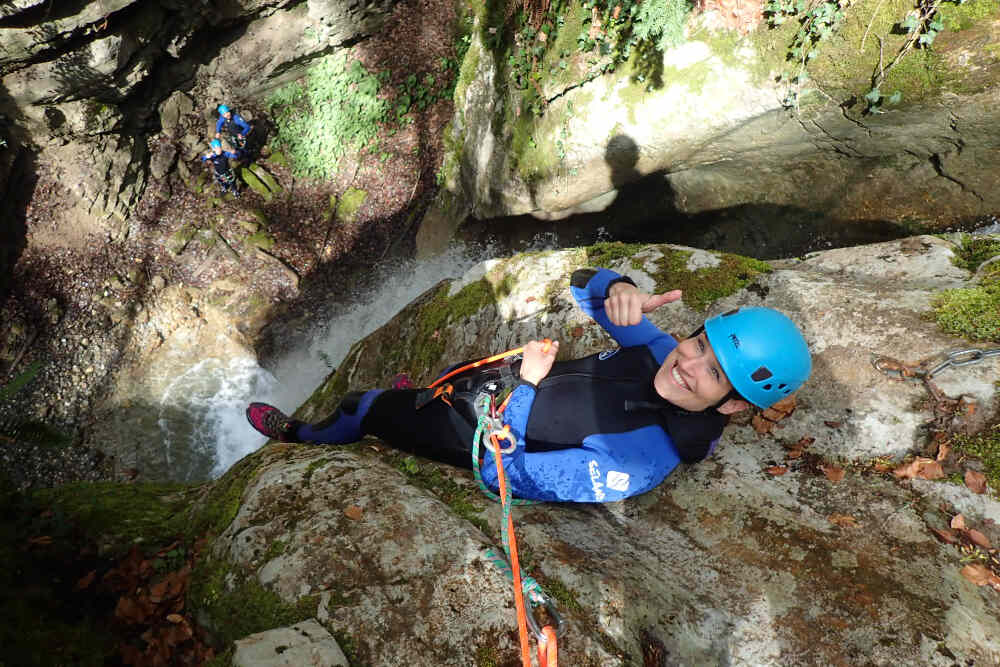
(202,419)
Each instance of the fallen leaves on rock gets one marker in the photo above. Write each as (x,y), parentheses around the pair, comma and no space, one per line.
(769,418)
(921,467)
(843,520)
(976,481)
(980,575)
(776,470)
(974,545)
(795,451)
(353,512)
(832,472)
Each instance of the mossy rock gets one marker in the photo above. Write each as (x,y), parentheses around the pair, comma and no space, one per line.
(261,240)
(265,177)
(331,210)
(255,184)
(214,202)
(262,219)
(349,204)
(278,157)
(197,184)
(250,226)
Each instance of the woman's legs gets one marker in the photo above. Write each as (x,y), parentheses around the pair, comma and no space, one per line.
(436,431)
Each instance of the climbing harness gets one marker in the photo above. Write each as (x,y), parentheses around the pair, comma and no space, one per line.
(490,433)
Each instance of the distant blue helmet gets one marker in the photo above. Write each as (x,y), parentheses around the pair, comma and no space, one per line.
(223,109)
(215,143)
(762,352)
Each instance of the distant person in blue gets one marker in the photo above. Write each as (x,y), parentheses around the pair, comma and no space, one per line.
(232,127)
(223,173)
(597,429)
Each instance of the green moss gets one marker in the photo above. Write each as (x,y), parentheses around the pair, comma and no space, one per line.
(704,286)
(565,597)
(275,549)
(487,655)
(962,17)
(123,514)
(224,659)
(970,312)
(350,646)
(236,605)
(604,255)
(313,467)
(986,447)
(464,501)
(225,495)
(261,239)
(349,204)
(265,177)
(255,183)
(974,250)
(278,157)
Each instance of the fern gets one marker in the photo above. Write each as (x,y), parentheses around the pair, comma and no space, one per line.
(660,22)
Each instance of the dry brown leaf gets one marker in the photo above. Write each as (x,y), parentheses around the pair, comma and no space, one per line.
(976,481)
(85,581)
(175,618)
(793,454)
(761,425)
(40,540)
(833,424)
(944,449)
(958,522)
(947,536)
(833,473)
(843,520)
(776,470)
(921,467)
(883,467)
(978,538)
(529,299)
(353,512)
(576,332)
(977,573)
(786,406)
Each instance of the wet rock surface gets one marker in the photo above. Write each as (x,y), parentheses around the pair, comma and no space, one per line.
(787,546)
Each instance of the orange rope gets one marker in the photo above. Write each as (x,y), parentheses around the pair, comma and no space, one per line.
(515,566)
(476,364)
(548,651)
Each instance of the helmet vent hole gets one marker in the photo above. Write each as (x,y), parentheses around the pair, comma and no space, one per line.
(767,387)
(760,374)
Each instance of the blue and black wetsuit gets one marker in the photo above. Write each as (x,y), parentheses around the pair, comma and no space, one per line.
(232,126)
(224,175)
(593,430)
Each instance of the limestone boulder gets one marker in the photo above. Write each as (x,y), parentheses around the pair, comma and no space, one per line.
(750,557)
(710,132)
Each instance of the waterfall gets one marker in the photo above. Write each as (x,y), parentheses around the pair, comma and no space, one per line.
(201,417)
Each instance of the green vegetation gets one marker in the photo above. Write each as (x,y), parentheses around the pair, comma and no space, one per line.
(974,250)
(704,286)
(986,447)
(238,605)
(349,204)
(573,41)
(835,42)
(337,110)
(970,312)
(466,501)
(606,254)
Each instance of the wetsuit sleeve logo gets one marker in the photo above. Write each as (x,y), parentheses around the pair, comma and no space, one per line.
(607,354)
(617,480)
(595,480)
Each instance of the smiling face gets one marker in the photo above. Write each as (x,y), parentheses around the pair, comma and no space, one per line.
(228,115)
(691,377)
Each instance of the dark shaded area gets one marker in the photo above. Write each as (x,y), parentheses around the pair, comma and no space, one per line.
(644,212)
(16,187)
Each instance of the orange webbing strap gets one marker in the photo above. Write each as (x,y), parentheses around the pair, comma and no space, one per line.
(487,360)
(476,364)
(515,565)
(548,652)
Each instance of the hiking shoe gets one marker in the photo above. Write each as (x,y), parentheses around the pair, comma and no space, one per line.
(402,381)
(272,422)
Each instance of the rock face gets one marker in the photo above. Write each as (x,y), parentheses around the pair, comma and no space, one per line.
(713,135)
(83,85)
(724,563)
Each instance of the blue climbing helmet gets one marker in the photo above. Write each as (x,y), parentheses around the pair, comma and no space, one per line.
(223,109)
(762,352)
(215,143)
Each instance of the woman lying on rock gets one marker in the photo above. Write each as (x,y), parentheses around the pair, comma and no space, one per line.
(597,429)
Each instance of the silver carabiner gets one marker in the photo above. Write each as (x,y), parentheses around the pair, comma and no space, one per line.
(550,607)
(974,355)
